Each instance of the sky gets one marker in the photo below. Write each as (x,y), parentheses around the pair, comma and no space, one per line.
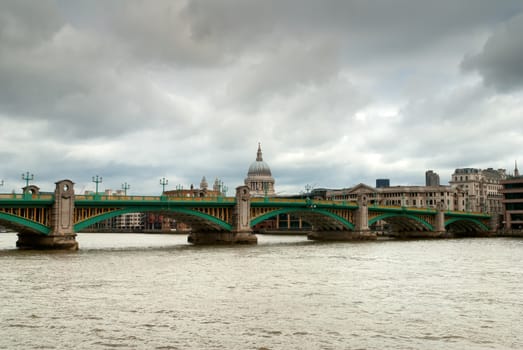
(338,92)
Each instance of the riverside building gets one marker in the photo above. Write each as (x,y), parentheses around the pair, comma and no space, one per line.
(513,201)
(218,189)
(482,188)
(405,196)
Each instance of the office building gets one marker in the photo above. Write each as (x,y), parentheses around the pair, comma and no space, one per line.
(382,183)
(431,178)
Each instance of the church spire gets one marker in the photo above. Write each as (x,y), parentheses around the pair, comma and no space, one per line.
(259,157)
(516,171)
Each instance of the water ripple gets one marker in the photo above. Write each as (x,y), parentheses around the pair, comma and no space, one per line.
(285,293)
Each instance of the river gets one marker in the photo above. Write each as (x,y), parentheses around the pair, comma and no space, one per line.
(139,291)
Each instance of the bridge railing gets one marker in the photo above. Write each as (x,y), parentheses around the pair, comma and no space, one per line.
(277,200)
(301,200)
(104,197)
(458,212)
(87,197)
(325,201)
(25,196)
(425,209)
(399,207)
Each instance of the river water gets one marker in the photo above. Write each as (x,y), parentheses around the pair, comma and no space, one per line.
(138,291)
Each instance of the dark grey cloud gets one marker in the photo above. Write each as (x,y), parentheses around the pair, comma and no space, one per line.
(25,23)
(500,62)
(374,26)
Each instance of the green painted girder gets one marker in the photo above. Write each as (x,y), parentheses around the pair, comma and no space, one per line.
(83,224)
(428,212)
(402,215)
(403,210)
(150,204)
(467,215)
(25,223)
(316,210)
(304,204)
(28,203)
(336,206)
(278,204)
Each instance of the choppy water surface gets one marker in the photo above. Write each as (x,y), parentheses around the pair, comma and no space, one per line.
(156,292)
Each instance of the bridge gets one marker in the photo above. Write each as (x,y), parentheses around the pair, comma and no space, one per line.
(52,221)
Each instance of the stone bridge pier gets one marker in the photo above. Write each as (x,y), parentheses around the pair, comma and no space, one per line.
(62,235)
(439,227)
(241,218)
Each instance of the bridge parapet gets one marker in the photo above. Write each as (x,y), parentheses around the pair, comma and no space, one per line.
(119,198)
(26,196)
(467,214)
(300,200)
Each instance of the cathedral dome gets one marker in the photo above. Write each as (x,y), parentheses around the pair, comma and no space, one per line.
(259,177)
(259,168)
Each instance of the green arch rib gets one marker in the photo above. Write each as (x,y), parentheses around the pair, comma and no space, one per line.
(477,222)
(413,217)
(35,226)
(268,215)
(83,224)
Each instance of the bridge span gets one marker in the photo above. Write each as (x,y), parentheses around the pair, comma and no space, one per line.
(52,221)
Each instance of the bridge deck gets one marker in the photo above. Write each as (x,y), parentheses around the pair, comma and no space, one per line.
(7,199)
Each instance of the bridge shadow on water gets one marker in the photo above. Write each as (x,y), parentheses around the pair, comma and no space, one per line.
(177,243)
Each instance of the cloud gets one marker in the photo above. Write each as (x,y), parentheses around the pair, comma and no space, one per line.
(25,23)
(500,62)
(338,92)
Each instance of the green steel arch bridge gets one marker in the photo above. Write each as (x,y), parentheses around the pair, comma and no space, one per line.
(53,220)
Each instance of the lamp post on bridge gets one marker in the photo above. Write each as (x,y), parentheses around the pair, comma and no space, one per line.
(97,180)
(1,183)
(308,200)
(125,187)
(224,189)
(26,177)
(308,189)
(163,182)
(179,188)
(219,184)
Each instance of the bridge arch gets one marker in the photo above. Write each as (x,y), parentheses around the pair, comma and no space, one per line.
(319,218)
(17,223)
(404,221)
(465,225)
(196,219)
